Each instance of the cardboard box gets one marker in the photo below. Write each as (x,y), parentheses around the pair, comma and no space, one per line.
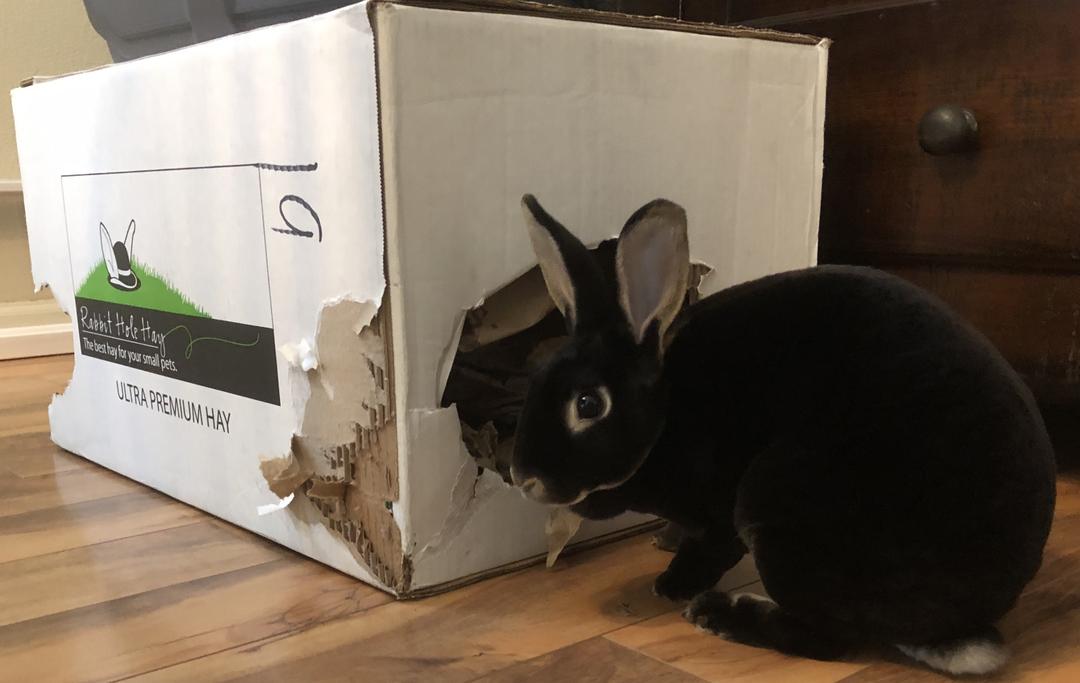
(270,245)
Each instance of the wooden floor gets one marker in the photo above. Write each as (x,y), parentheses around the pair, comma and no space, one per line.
(103,579)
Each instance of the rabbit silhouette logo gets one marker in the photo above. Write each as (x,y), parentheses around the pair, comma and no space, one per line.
(117,257)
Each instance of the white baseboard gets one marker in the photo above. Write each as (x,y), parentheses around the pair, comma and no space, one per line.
(35,340)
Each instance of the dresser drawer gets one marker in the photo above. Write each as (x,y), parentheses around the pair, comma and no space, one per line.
(1013,203)
(1032,318)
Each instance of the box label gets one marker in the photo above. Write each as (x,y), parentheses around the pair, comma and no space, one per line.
(170,274)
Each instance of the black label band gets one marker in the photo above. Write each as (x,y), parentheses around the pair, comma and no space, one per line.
(231,357)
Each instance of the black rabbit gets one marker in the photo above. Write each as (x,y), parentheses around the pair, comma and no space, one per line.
(887,469)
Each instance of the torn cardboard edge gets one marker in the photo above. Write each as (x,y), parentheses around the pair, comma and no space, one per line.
(499,344)
(35,80)
(561,525)
(473,487)
(569,551)
(342,467)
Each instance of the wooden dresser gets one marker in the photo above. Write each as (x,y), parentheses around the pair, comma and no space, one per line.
(988,221)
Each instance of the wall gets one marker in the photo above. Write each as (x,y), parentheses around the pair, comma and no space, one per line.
(36,37)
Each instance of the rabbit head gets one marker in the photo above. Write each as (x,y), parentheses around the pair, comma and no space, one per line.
(592,414)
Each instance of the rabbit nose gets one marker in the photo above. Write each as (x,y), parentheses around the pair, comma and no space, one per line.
(515,477)
(533,488)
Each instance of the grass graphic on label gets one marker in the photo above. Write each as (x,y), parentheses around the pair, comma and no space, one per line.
(154,292)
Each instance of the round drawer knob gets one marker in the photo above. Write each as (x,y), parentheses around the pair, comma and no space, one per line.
(948,129)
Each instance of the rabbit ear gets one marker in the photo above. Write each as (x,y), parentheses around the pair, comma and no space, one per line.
(652,266)
(129,238)
(573,278)
(107,253)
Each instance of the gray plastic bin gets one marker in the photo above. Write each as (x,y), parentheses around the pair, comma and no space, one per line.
(137,28)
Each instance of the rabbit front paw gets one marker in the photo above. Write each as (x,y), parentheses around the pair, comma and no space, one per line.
(679,584)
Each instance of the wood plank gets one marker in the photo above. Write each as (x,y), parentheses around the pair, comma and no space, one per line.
(24,418)
(1043,631)
(669,638)
(460,635)
(591,661)
(28,388)
(45,366)
(38,586)
(1068,499)
(32,454)
(200,600)
(40,532)
(36,377)
(25,392)
(43,491)
(182,621)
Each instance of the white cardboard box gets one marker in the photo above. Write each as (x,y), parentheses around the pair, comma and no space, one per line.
(317,205)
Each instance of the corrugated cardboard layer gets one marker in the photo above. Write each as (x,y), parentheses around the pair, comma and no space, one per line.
(344,460)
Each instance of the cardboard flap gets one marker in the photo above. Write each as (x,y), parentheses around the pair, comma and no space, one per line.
(547,11)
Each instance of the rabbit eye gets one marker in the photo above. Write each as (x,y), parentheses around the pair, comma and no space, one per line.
(587,407)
